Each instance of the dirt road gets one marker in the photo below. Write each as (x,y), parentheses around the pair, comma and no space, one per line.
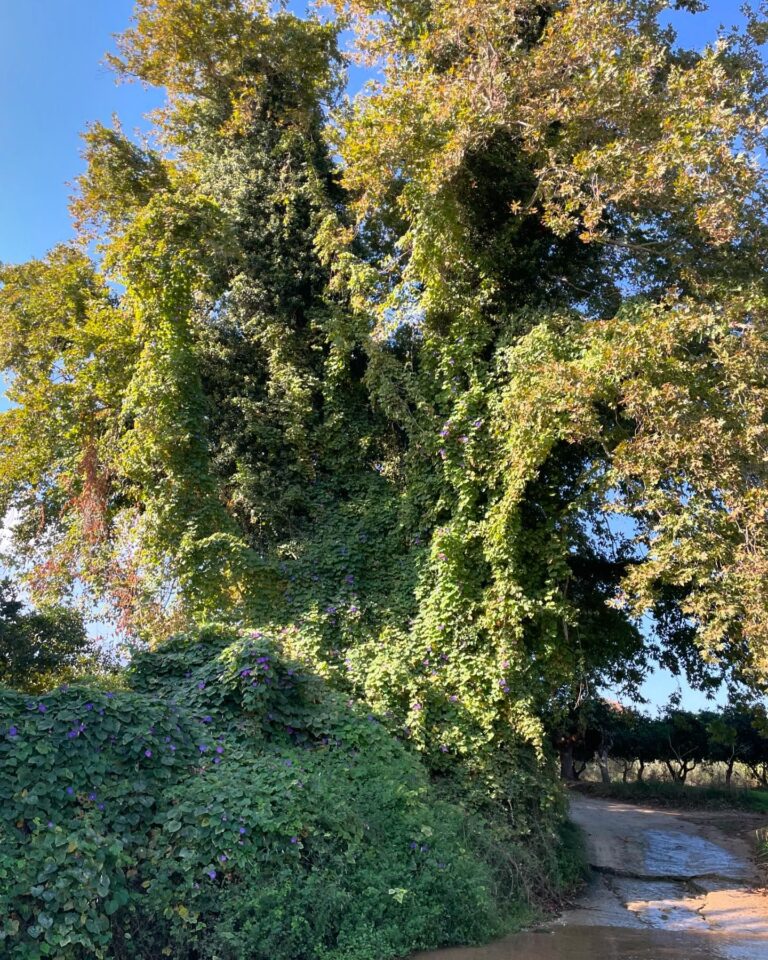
(667,885)
(685,871)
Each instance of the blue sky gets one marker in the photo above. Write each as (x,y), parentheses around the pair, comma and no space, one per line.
(53,83)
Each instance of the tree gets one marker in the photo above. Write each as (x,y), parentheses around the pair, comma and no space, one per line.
(454,413)
(685,742)
(38,647)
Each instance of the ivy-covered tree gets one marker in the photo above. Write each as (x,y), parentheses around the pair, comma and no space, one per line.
(450,387)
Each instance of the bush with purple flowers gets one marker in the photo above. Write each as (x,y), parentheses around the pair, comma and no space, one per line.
(227,802)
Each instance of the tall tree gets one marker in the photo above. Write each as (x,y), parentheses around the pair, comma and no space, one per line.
(452,414)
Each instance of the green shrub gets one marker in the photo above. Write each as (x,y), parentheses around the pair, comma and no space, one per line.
(227,806)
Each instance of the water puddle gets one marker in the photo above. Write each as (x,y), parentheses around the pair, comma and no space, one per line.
(671,853)
(605,943)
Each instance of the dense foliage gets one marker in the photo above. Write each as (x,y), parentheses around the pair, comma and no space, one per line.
(40,647)
(226,806)
(445,390)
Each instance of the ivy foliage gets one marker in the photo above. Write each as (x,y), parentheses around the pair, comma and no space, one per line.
(226,805)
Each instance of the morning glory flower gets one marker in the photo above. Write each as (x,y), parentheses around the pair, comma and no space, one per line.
(147,753)
(12,731)
(212,874)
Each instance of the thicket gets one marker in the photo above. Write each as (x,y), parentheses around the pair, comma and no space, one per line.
(227,805)
(444,390)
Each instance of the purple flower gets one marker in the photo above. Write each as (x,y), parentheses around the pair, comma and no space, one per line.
(70,790)
(12,731)
(243,831)
(50,823)
(206,719)
(92,796)
(89,706)
(416,706)
(443,748)
(212,874)
(477,423)
(202,748)
(100,806)
(463,439)
(219,749)
(172,748)
(42,707)
(201,685)
(110,695)
(147,753)
(223,858)
(245,673)
(349,579)
(294,839)
(442,453)
(453,698)
(414,845)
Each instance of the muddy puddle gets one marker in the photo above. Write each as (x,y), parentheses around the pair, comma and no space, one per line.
(665,886)
(604,943)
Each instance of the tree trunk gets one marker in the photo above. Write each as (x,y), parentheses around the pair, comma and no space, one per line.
(729,772)
(625,773)
(567,771)
(640,770)
(602,762)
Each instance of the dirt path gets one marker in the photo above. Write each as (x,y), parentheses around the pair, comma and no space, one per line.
(685,871)
(667,885)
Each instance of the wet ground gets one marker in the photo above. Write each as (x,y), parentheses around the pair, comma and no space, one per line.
(667,885)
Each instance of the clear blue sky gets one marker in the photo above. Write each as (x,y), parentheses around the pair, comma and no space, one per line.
(53,83)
